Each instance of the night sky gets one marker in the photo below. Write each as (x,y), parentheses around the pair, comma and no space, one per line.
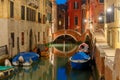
(60,1)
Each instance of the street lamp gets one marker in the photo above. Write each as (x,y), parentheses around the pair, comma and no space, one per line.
(85,20)
(110,9)
(100,18)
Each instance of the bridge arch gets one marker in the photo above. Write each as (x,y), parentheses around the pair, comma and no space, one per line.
(74,34)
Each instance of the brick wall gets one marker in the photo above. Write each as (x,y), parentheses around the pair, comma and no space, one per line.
(108,73)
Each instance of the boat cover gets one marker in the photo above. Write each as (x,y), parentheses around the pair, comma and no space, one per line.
(79,60)
(80,56)
(27,56)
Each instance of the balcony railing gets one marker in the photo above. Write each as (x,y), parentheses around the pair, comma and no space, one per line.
(33,3)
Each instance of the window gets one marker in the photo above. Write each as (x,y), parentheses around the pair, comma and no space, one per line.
(22,38)
(38,36)
(44,37)
(76,21)
(44,19)
(12,39)
(31,14)
(49,17)
(83,1)
(101,1)
(110,15)
(75,5)
(11,9)
(68,20)
(23,12)
(118,36)
(39,18)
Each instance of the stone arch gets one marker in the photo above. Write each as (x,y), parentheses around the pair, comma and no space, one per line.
(74,34)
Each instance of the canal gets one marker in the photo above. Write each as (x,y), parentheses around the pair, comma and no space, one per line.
(57,68)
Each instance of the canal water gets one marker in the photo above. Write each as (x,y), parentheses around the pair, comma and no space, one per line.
(57,68)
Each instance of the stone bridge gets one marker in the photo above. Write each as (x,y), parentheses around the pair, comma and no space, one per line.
(76,36)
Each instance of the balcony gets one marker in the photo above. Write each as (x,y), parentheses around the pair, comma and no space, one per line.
(33,3)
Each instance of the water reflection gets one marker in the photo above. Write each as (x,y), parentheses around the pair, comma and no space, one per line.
(64,43)
(54,68)
(44,70)
(65,47)
(64,72)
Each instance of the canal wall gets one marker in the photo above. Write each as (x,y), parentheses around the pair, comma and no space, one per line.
(107,61)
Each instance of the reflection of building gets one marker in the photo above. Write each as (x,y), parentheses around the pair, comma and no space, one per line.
(62,16)
(24,23)
(74,15)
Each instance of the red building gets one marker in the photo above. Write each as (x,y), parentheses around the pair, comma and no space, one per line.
(94,14)
(74,15)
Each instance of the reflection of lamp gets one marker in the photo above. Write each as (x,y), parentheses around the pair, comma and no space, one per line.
(64,18)
(64,31)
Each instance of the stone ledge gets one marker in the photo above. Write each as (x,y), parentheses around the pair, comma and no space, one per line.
(107,52)
(109,61)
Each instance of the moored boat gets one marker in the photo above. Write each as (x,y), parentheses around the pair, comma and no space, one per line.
(6,71)
(79,60)
(25,58)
